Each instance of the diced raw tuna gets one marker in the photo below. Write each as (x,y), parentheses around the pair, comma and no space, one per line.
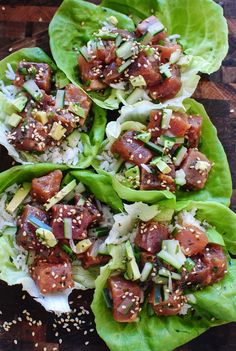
(52,273)
(131,149)
(159,37)
(94,213)
(167,50)
(169,307)
(148,67)
(126,296)
(81,219)
(111,74)
(154,125)
(150,236)
(29,136)
(91,73)
(106,53)
(43,188)
(179,124)
(156,180)
(76,95)
(91,258)
(25,235)
(194,132)
(168,88)
(66,119)
(196,167)
(143,26)
(147,257)
(40,72)
(198,276)
(192,240)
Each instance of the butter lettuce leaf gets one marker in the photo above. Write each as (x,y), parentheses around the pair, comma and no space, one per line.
(200,23)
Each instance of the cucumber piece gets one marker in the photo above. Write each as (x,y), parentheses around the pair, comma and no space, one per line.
(156,28)
(175,56)
(60,97)
(160,280)
(18,198)
(60,195)
(57,131)
(31,87)
(13,120)
(67,228)
(165,71)
(73,138)
(119,40)
(76,109)
(179,155)
(166,117)
(106,35)
(138,81)
(157,294)
(85,54)
(37,223)
(20,102)
(168,258)
(189,264)
(166,273)
(166,293)
(107,298)
(46,237)
(147,269)
(180,177)
(132,272)
(126,50)
(161,165)
(146,38)
(125,65)
(83,246)
(156,148)
(173,248)
(145,137)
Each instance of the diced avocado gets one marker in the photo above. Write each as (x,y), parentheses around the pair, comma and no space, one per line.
(18,198)
(83,246)
(74,138)
(31,87)
(60,195)
(20,102)
(57,131)
(132,272)
(13,120)
(76,109)
(46,237)
(40,116)
(138,81)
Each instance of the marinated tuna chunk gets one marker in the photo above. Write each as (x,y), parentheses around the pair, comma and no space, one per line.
(76,95)
(131,149)
(150,236)
(154,125)
(194,132)
(169,307)
(126,296)
(80,220)
(43,188)
(155,180)
(40,72)
(167,51)
(192,240)
(196,167)
(53,273)
(26,234)
(179,124)
(90,258)
(30,136)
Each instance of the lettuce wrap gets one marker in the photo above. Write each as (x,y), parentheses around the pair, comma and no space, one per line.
(213,305)
(187,22)
(218,186)
(80,145)
(15,260)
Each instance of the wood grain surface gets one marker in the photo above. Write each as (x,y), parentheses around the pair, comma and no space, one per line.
(24,23)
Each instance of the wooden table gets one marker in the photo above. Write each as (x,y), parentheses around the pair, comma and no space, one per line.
(24,23)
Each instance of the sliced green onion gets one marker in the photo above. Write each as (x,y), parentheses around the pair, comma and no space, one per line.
(145,137)
(146,271)
(31,87)
(180,155)
(119,40)
(156,148)
(107,298)
(165,70)
(189,264)
(124,66)
(126,50)
(59,102)
(85,54)
(67,228)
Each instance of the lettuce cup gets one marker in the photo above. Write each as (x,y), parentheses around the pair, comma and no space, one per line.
(144,52)
(44,117)
(164,149)
(53,230)
(170,277)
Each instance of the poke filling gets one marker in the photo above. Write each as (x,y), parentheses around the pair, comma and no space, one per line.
(58,231)
(165,261)
(144,64)
(47,121)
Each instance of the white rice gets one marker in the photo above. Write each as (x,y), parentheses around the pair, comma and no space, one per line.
(188,217)
(6,219)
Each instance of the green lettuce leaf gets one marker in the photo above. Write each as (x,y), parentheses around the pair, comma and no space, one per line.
(90,141)
(214,305)
(200,23)
(98,185)
(219,184)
